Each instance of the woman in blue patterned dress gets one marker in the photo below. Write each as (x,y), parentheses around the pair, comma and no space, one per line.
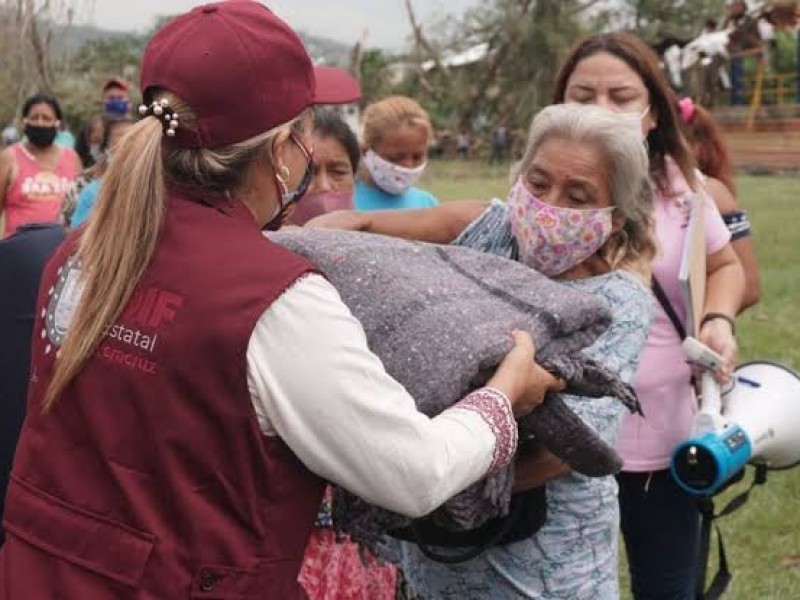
(579,211)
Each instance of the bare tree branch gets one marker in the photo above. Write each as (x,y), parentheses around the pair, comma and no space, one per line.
(500,44)
(39,47)
(357,55)
(423,48)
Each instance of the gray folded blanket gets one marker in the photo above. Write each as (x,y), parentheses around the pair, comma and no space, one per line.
(439,318)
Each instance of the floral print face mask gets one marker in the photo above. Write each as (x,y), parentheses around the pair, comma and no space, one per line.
(391,178)
(552,239)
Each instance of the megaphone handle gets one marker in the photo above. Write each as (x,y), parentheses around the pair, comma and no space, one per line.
(709,417)
(712,399)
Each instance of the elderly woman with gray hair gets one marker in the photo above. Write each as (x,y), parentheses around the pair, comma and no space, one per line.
(579,211)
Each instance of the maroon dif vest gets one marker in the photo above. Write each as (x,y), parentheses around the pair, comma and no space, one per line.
(150,478)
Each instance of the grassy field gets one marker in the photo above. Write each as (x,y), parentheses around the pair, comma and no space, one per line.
(763,538)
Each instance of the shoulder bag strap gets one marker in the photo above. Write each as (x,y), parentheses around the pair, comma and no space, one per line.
(661,295)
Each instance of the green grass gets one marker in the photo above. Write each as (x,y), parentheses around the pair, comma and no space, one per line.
(763,538)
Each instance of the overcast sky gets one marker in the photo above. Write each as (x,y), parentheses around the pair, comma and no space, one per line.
(342,20)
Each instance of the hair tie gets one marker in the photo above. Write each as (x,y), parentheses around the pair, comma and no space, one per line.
(161,110)
(688,110)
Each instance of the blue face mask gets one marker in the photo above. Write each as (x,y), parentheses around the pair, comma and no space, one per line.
(117,107)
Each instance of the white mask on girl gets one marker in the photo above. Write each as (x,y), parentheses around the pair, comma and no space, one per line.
(551,239)
(391,178)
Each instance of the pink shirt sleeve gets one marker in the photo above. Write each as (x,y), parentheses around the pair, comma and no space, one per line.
(717,233)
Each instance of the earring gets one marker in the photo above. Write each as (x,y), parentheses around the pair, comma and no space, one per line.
(283,177)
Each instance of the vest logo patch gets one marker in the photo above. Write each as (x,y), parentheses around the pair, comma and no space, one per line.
(148,311)
(64,297)
(152,307)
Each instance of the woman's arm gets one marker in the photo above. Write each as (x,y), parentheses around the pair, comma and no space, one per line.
(742,246)
(354,425)
(438,225)
(6,170)
(536,467)
(725,284)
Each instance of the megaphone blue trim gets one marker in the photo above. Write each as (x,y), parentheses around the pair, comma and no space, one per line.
(702,465)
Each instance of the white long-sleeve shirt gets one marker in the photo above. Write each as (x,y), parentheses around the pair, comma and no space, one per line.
(315,383)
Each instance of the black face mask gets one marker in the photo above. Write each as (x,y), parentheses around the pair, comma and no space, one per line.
(40,136)
(289,199)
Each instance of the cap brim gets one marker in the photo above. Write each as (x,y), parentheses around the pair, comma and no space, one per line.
(335,86)
(116,82)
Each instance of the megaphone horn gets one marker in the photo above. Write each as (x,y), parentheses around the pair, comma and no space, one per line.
(759,423)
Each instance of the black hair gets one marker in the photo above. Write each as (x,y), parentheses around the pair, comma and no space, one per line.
(108,126)
(42,99)
(328,124)
(82,140)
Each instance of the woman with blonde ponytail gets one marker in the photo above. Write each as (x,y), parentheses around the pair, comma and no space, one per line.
(175,445)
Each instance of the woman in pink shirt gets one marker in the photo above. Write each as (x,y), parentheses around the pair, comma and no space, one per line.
(660,523)
(35,174)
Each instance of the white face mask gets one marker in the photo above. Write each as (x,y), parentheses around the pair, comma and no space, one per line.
(391,178)
(635,120)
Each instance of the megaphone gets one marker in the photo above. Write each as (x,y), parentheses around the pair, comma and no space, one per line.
(756,421)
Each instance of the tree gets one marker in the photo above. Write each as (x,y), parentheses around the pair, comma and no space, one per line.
(525,40)
(375,76)
(656,19)
(29,59)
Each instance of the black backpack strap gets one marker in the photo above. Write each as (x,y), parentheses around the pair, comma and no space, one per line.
(661,296)
(723,575)
(527,513)
(464,555)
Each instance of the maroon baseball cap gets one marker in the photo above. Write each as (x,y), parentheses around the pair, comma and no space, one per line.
(335,86)
(240,68)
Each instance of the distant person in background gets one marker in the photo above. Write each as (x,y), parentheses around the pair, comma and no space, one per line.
(89,139)
(64,137)
(22,259)
(462,144)
(88,144)
(396,133)
(714,161)
(499,144)
(336,158)
(35,175)
(112,134)
(116,98)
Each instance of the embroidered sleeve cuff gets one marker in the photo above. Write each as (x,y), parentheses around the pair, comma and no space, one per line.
(495,409)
